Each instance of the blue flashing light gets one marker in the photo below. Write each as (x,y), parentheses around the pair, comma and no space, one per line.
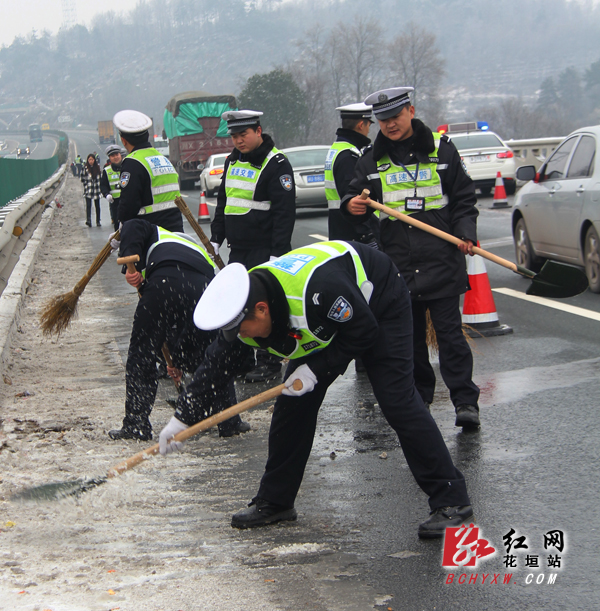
(483,126)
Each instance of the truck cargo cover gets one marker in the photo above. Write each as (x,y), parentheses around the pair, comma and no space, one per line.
(184,109)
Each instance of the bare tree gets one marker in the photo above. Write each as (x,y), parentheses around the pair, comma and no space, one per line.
(417,62)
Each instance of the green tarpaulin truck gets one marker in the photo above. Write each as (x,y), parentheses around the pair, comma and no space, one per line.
(192,122)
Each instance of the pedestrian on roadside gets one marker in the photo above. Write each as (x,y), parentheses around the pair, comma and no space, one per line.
(420,173)
(90,177)
(78,165)
(173,273)
(321,306)
(256,208)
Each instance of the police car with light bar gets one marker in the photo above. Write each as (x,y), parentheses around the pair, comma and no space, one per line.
(484,154)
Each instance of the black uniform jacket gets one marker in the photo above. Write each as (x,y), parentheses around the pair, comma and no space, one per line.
(104,184)
(137,236)
(137,194)
(334,306)
(260,228)
(431,267)
(340,228)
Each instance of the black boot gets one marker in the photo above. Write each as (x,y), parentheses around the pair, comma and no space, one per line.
(442,518)
(467,416)
(129,433)
(262,513)
(236,429)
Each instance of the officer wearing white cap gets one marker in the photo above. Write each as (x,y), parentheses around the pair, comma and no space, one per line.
(110,181)
(321,306)
(351,139)
(172,274)
(256,207)
(149,183)
(420,173)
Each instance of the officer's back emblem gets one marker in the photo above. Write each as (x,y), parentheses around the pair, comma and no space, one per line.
(286,182)
(341,310)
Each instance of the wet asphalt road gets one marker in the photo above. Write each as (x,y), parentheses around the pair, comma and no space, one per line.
(531,467)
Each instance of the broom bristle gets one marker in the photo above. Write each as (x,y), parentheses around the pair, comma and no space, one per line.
(430,336)
(58,313)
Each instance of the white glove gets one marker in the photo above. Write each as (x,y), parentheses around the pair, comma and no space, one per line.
(306,376)
(272,258)
(110,199)
(215,247)
(166,443)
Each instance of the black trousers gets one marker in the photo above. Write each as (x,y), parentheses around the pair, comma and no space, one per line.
(164,313)
(88,210)
(456,359)
(114,208)
(389,365)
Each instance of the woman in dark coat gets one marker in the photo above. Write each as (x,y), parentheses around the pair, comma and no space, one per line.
(90,177)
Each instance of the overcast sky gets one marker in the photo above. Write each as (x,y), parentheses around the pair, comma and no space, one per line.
(19,17)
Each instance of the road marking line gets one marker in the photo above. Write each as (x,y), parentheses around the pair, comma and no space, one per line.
(550,304)
(318,236)
(497,242)
(184,195)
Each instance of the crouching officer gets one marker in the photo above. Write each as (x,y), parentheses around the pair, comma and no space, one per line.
(110,181)
(256,207)
(174,273)
(321,306)
(149,183)
(420,173)
(341,159)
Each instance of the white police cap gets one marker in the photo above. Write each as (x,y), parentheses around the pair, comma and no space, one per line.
(132,122)
(388,102)
(355,111)
(239,120)
(223,303)
(113,148)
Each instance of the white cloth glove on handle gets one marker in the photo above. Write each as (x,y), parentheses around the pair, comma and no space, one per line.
(305,374)
(166,443)
(272,258)
(110,199)
(115,244)
(215,247)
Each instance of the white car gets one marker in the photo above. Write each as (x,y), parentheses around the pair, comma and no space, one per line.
(484,154)
(210,178)
(308,163)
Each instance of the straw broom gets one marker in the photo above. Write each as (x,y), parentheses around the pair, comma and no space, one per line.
(59,311)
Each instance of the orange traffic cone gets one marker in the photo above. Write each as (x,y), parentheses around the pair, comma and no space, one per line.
(500,200)
(203,215)
(479,310)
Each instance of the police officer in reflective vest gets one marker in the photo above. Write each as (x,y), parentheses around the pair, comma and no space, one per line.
(256,207)
(418,172)
(341,159)
(321,306)
(173,273)
(110,181)
(149,183)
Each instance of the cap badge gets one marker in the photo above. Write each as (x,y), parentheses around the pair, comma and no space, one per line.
(383,97)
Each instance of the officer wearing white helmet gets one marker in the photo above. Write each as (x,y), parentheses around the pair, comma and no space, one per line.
(256,207)
(149,183)
(352,138)
(321,306)
(110,181)
(420,173)
(171,275)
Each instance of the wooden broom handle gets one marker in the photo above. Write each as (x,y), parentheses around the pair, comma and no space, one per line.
(238,408)
(409,220)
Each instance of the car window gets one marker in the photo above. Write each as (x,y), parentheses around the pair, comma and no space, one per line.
(219,162)
(582,164)
(555,168)
(476,141)
(311,157)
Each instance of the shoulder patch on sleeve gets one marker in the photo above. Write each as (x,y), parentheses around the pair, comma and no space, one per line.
(124,180)
(286,182)
(341,310)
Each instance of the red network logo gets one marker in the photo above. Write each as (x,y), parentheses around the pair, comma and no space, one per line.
(463,547)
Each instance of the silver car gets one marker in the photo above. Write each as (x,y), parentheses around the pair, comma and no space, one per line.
(308,163)
(557,214)
(210,178)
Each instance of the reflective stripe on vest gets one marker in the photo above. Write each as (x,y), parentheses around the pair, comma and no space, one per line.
(240,185)
(168,237)
(294,271)
(164,181)
(397,184)
(113,181)
(331,192)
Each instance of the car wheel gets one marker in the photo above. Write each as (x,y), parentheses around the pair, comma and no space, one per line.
(523,249)
(485,190)
(510,187)
(592,259)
